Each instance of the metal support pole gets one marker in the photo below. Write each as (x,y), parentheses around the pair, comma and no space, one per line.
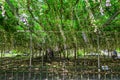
(98,46)
(30,63)
(98,53)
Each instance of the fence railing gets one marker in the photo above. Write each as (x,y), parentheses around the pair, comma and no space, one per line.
(47,73)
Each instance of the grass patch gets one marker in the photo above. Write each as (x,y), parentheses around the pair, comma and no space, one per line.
(7,55)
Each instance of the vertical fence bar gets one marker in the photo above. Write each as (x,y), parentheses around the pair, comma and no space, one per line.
(23,76)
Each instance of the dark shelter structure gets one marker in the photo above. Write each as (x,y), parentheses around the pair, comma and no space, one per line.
(114,54)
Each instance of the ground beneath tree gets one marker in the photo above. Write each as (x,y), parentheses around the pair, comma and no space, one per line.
(86,65)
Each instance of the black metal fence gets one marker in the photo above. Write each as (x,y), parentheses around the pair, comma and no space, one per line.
(46,74)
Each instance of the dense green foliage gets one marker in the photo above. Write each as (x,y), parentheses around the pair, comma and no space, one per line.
(59,22)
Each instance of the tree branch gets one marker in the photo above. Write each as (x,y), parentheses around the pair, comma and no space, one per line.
(12,8)
(111,18)
(32,15)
